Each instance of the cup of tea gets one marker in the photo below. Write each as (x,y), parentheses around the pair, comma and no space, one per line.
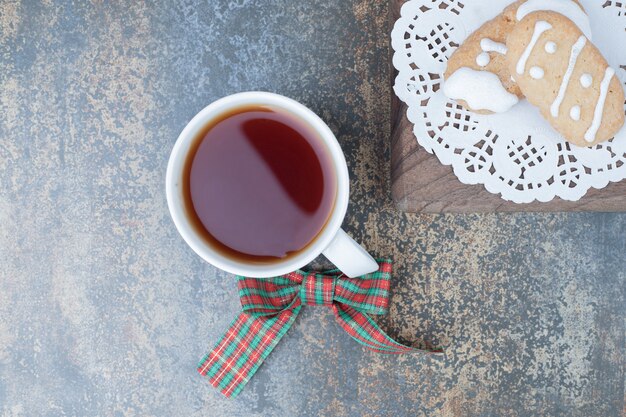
(258,186)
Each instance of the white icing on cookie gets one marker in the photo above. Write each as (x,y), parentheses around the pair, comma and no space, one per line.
(540,27)
(567,8)
(482,90)
(537,73)
(574,113)
(586,80)
(483,59)
(576,50)
(550,47)
(590,136)
(487,45)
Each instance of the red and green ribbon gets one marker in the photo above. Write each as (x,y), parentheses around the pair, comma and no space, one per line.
(270,307)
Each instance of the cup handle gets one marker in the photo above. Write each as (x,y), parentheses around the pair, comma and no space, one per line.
(349,256)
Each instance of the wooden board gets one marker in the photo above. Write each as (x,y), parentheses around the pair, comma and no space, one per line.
(420,183)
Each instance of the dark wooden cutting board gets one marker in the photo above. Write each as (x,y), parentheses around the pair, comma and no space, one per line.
(420,183)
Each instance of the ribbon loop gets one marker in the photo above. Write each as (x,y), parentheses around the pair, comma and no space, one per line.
(270,306)
(317,290)
(267,297)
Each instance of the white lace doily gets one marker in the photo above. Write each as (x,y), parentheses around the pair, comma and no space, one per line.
(516,154)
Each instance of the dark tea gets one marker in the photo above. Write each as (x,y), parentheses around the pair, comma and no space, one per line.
(259,184)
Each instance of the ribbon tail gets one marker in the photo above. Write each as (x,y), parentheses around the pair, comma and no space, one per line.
(365,331)
(243,348)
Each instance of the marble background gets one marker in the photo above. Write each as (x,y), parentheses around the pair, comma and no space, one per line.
(105,311)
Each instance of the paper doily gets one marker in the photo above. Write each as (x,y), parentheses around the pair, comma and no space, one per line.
(516,154)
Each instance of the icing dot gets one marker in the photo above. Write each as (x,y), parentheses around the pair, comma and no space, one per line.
(537,73)
(550,47)
(586,80)
(483,59)
(574,113)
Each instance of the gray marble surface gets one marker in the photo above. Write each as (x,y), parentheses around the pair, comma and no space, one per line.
(105,311)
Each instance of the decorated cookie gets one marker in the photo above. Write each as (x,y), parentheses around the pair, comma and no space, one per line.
(483,56)
(469,77)
(560,71)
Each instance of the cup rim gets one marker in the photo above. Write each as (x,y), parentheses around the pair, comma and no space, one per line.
(174,185)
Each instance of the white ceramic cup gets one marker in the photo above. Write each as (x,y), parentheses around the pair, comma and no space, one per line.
(331,241)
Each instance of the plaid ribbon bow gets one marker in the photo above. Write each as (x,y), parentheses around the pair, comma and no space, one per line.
(270,307)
